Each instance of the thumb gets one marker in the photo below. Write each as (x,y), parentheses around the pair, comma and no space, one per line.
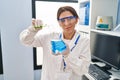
(67,51)
(55,53)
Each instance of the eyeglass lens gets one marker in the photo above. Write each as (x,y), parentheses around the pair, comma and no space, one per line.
(69,18)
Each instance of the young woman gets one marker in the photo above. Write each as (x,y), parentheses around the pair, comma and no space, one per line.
(72,63)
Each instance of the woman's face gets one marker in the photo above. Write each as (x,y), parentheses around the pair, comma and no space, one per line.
(67,21)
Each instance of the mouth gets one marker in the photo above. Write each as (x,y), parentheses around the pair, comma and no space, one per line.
(68,28)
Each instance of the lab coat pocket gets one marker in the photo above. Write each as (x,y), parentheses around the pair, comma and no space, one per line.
(63,75)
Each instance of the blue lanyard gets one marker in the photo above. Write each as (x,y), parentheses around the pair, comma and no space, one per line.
(75,43)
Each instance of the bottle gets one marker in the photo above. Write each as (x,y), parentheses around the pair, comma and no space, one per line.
(87,13)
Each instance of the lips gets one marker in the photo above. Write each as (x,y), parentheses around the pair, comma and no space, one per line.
(68,28)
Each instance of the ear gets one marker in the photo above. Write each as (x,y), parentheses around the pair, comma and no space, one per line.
(77,19)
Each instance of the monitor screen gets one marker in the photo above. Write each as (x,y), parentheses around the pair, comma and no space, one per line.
(105,48)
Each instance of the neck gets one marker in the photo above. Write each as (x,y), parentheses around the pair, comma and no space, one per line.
(69,36)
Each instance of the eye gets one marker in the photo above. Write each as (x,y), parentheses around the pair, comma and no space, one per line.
(71,17)
(61,20)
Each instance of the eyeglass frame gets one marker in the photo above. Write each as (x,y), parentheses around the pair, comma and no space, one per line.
(69,18)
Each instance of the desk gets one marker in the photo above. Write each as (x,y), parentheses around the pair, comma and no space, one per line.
(115,73)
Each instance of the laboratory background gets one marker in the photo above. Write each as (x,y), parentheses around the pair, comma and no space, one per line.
(99,20)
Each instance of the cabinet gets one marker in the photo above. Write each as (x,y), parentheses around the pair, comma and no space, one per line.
(98,8)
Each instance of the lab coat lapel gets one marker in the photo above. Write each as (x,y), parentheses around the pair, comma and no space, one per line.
(72,43)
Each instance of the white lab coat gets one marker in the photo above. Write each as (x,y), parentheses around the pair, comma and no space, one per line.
(52,69)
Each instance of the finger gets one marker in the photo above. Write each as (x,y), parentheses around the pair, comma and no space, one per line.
(66,51)
(33,22)
(56,54)
(39,22)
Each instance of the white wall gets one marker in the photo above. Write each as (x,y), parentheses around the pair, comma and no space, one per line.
(1,77)
(15,15)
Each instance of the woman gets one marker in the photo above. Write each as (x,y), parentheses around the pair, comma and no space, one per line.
(72,63)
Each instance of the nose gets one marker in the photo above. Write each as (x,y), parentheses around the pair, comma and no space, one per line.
(67,22)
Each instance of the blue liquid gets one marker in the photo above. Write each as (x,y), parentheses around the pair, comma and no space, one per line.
(58,46)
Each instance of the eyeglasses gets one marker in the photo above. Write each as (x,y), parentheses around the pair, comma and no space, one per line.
(69,18)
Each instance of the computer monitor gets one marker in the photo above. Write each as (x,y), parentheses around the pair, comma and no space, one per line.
(105,48)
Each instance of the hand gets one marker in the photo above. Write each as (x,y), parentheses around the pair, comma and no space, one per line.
(67,51)
(36,25)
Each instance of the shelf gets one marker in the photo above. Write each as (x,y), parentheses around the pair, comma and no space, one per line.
(113,33)
(97,8)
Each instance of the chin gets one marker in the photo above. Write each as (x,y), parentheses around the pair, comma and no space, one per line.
(69,32)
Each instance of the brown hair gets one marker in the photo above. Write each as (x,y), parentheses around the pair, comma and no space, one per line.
(66,8)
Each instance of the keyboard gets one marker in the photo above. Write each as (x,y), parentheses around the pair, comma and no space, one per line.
(97,73)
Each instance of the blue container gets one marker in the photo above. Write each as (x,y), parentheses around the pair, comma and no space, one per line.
(58,46)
